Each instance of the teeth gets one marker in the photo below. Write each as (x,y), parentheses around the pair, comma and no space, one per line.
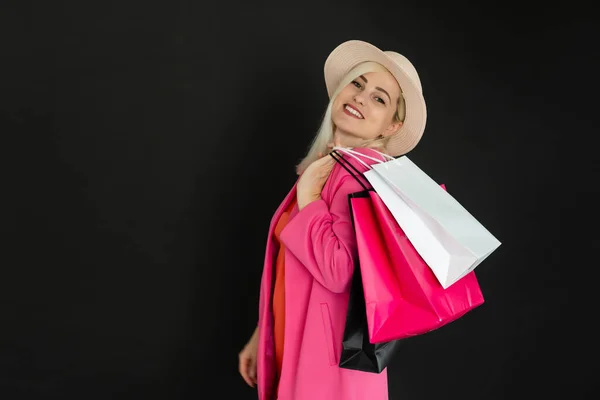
(353,111)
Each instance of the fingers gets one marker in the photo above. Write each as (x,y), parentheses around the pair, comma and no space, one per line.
(244,367)
(327,166)
(326,162)
(322,161)
(252,372)
(321,155)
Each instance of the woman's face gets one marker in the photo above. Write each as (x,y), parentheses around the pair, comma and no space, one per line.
(365,109)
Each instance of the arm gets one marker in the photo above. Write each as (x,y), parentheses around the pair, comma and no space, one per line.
(323,239)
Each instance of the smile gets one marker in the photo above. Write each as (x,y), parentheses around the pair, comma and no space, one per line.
(353,111)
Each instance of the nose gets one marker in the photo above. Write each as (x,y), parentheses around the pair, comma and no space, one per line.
(358,98)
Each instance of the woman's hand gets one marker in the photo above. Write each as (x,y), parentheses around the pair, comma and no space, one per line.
(248,360)
(313,179)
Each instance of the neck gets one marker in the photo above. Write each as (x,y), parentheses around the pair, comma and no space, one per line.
(344,139)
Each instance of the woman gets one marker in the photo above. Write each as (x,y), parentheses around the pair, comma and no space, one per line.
(375,103)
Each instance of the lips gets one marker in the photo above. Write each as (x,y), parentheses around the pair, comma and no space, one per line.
(348,109)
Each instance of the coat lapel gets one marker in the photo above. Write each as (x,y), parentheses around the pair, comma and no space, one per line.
(282,207)
(266,351)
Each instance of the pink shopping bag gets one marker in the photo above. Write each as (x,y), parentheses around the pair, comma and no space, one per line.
(403,298)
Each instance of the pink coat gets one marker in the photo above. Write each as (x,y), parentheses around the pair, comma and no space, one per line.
(319,261)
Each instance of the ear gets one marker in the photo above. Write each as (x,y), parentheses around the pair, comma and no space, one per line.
(392,129)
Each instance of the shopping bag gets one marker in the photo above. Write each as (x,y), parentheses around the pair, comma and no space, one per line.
(358,353)
(450,240)
(402,296)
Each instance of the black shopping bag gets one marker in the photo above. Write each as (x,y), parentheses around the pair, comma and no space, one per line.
(357,352)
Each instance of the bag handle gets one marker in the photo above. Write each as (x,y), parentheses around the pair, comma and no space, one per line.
(340,159)
(354,154)
(349,153)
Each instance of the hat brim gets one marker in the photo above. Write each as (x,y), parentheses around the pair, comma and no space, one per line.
(351,53)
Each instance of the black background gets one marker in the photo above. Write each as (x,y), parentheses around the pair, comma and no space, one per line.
(145,146)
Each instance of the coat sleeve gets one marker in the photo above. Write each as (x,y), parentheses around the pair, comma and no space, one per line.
(322,238)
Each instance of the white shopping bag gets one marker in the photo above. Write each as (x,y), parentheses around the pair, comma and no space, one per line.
(448,238)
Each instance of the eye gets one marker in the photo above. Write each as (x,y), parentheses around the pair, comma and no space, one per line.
(358,85)
(379,99)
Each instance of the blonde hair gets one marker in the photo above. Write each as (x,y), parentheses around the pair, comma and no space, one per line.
(325,133)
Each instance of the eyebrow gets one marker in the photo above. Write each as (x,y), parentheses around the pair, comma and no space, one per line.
(378,88)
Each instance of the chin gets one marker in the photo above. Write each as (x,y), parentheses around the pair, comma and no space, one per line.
(344,123)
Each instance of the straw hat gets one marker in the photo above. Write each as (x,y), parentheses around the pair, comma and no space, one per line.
(353,52)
